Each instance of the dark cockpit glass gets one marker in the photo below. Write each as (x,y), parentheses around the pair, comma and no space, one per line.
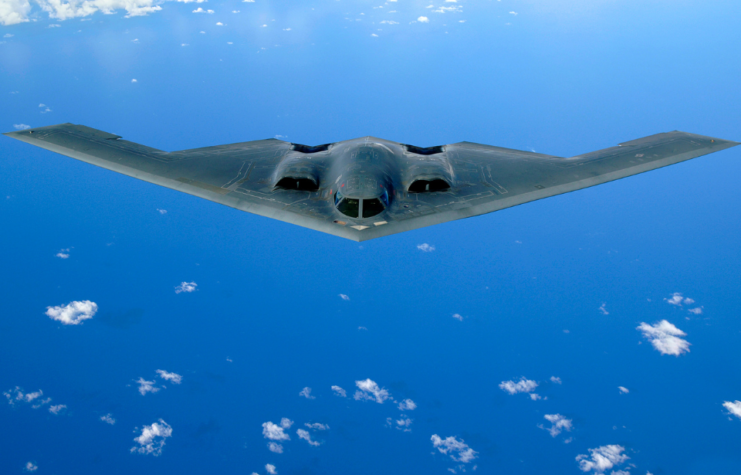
(372,207)
(347,206)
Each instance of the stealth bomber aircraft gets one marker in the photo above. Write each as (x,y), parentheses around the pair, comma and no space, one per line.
(368,187)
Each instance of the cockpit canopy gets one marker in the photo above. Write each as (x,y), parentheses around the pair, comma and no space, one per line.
(367,208)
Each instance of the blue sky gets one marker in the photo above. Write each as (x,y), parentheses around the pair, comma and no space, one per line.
(543,299)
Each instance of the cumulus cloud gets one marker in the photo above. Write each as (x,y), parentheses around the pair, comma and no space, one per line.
(20,126)
(457,449)
(338,391)
(677,299)
(275,447)
(458,316)
(306,392)
(423,19)
(146,386)
(16,395)
(696,311)
(57,409)
(623,390)
(73,313)
(270,468)
(665,337)
(555,380)
(63,254)
(734,408)
(108,419)
(134,80)
(317,426)
(344,297)
(201,10)
(30,467)
(424,247)
(602,458)
(186,287)
(558,424)
(453,8)
(407,405)
(370,391)
(14,11)
(302,434)
(152,439)
(276,432)
(174,378)
(401,424)
(603,309)
(522,386)
(389,22)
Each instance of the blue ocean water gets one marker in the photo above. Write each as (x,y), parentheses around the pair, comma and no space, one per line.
(267,317)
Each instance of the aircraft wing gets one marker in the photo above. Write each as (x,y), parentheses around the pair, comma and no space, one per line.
(239,175)
(487,178)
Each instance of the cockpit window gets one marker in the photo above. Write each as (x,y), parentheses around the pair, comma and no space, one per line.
(347,206)
(372,207)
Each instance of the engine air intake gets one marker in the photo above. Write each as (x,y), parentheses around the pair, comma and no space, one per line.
(428,186)
(424,150)
(301,184)
(310,148)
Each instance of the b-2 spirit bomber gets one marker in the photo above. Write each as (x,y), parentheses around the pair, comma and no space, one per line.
(366,188)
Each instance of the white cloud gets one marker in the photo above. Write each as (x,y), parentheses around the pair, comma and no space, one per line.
(344,297)
(374,35)
(286,423)
(64,10)
(174,378)
(423,19)
(369,390)
(677,299)
(453,8)
(458,316)
(696,311)
(54,25)
(201,10)
(424,247)
(602,458)
(317,426)
(338,391)
(558,423)
(275,447)
(665,338)
(152,438)
(403,424)
(134,80)
(522,386)
(146,386)
(21,126)
(219,24)
(302,434)
(733,408)
(407,405)
(73,313)
(57,409)
(623,390)
(30,467)
(14,11)
(63,254)
(184,44)
(457,449)
(555,380)
(306,392)
(274,431)
(270,468)
(186,287)
(162,211)
(513,13)
(108,419)
(17,395)
(603,310)
(389,22)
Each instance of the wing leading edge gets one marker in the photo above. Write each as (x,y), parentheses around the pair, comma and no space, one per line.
(486,178)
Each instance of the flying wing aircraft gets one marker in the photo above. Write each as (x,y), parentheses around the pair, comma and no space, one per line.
(368,187)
